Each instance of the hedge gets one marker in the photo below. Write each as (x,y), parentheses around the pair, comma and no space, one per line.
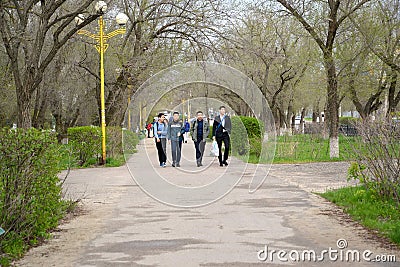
(30,191)
(248,140)
(85,142)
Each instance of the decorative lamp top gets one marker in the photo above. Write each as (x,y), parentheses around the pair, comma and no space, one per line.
(79,19)
(122,19)
(101,7)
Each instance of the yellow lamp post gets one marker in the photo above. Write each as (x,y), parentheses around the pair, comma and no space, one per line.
(101,46)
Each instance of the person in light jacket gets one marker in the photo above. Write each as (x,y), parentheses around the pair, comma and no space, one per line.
(160,135)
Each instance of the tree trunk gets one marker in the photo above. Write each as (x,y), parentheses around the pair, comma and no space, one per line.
(24,107)
(40,109)
(392,99)
(315,115)
(332,116)
(277,120)
(293,124)
(302,115)
(117,100)
(289,111)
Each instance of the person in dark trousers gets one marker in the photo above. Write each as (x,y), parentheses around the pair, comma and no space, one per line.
(176,129)
(221,130)
(187,130)
(160,135)
(199,132)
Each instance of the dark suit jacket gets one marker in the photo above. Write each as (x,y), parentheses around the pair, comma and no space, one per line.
(228,126)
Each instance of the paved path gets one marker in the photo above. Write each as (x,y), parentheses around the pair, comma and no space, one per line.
(120,225)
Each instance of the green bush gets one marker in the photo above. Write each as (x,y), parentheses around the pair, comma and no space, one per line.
(255,146)
(85,143)
(30,193)
(253,126)
(129,141)
(114,141)
(246,135)
(239,138)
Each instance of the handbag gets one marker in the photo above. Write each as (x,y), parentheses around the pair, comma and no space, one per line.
(214,149)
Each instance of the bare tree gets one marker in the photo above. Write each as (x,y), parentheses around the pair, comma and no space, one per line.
(336,13)
(33,32)
(381,36)
(155,25)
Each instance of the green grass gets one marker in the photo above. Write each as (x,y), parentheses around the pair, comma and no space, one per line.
(115,161)
(306,148)
(367,208)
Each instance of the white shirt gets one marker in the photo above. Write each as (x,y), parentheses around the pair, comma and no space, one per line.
(223,122)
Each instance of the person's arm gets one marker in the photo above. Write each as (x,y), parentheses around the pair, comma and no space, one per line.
(192,130)
(183,129)
(228,124)
(207,130)
(169,132)
(155,128)
(165,130)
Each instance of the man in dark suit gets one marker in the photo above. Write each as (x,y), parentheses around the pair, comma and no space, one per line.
(221,130)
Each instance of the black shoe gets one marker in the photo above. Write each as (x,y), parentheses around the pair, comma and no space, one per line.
(220,164)
(201,164)
(225,163)
(198,164)
(173,164)
(178,165)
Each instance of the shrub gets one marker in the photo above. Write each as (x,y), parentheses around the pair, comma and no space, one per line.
(255,146)
(246,135)
(377,158)
(114,141)
(85,143)
(253,126)
(239,139)
(129,141)
(30,192)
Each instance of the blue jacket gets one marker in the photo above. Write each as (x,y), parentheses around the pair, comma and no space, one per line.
(163,127)
(187,126)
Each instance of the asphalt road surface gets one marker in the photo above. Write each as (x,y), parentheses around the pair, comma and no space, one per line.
(118,224)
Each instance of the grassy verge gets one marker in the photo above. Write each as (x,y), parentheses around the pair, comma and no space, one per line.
(369,209)
(306,148)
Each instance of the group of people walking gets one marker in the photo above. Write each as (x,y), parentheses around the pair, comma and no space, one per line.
(173,132)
